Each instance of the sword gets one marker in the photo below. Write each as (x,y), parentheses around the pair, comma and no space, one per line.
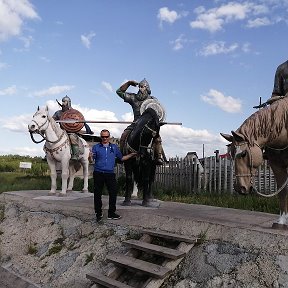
(72,121)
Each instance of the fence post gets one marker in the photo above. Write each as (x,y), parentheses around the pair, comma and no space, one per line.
(219,174)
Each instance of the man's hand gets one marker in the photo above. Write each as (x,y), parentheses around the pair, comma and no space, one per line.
(133,83)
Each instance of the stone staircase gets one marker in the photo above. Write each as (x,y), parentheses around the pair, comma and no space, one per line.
(148,262)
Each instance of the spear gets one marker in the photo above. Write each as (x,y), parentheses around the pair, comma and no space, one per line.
(72,121)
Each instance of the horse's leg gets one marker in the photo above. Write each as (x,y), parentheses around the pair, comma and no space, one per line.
(129,182)
(71,178)
(85,165)
(53,175)
(147,183)
(65,175)
(135,190)
(281,176)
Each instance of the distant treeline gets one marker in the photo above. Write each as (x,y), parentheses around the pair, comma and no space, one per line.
(11,163)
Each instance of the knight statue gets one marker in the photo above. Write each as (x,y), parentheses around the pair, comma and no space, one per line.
(67,112)
(139,102)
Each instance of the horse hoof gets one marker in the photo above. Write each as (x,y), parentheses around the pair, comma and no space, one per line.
(85,191)
(126,203)
(146,203)
(279,226)
(51,193)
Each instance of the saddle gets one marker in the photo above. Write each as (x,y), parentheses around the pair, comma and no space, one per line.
(270,101)
(75,140)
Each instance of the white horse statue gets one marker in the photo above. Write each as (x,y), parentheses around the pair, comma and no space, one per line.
(57,149)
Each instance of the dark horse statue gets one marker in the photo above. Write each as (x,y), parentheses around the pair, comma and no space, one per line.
(141,169)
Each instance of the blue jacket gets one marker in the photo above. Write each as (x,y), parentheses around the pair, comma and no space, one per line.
(105,157)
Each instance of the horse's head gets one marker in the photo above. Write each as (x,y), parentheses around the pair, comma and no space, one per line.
(40,121)
(247,158)
(146,128)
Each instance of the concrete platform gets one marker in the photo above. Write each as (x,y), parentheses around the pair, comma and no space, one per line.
(81,205)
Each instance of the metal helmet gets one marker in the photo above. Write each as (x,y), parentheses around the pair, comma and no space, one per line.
(144,83)
(68,100)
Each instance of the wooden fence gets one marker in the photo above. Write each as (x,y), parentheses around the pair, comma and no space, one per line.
(207,174)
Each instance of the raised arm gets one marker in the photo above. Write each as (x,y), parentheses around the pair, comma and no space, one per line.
(121,91)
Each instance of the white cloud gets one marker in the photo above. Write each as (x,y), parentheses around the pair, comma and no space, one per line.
(178,44)
(54,90)
(17,123)
(12,15)
(166,15)
(108,86)
(3,65)
(86,39)
(246,47)
(218,48)
(8,91)
(225,103)
(258,22)
(45,59)
(214,19)
(128,116)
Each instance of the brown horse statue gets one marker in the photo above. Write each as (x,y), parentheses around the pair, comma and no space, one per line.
(263,135)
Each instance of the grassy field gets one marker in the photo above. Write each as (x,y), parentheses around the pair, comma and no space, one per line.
(11,181)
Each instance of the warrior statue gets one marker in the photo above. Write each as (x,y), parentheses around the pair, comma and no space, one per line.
(74,138)
(138,102)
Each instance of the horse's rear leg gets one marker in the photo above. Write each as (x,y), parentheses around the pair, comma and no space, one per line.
(85,166)
(65,175)
(281,177)
(71,178)
(53,177)
(128,188)
(147,195)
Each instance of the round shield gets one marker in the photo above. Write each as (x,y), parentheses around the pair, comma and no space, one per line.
(156,106)
(74,115)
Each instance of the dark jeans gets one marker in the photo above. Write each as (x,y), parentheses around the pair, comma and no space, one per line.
(109,180)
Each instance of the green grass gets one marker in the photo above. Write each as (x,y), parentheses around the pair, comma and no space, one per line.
(11,181)
(248,202)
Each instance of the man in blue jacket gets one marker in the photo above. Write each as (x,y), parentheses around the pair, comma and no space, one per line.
(104,155)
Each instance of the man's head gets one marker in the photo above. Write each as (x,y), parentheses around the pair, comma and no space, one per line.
(144,90)
(105,136)
(66,103)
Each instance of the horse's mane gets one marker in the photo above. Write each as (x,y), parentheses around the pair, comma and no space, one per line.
(267,122)
(55,126)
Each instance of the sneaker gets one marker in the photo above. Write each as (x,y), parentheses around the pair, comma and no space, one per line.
(113,216)
(99,217)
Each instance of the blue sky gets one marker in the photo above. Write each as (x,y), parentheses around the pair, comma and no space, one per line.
(207,62)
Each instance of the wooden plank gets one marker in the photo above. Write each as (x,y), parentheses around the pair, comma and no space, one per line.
(116,271)
(139,265)
(171,264)
(106,281)
(170,236)
(155,249)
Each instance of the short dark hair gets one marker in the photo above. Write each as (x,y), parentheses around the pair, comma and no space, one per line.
(105,130)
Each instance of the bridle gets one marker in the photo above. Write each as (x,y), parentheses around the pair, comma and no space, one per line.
(39,131)
(239,153)
(251,174)
(149,147)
